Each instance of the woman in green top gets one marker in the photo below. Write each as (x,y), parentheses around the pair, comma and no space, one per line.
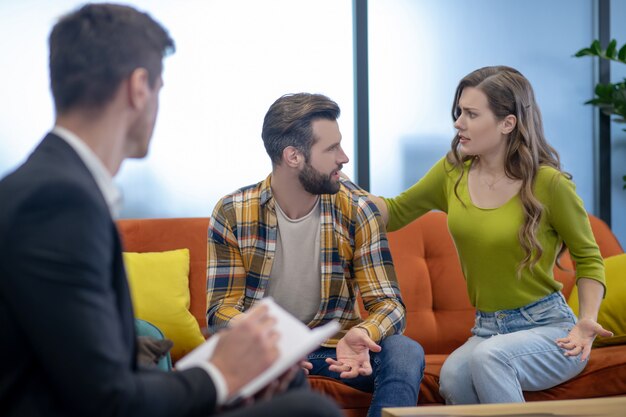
(510,212)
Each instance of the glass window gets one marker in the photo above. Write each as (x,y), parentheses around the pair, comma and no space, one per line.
(419,50)
(233,59)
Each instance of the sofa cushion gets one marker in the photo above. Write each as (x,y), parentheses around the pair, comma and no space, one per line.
(347,397)
(428,268)
(608,244)
(159,286)
(439,314)
(157,235)
(612,315)
(604,376)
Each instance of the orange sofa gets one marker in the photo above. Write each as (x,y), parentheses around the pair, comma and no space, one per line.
(439,315)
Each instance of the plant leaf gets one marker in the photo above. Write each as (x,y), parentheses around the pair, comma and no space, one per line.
(596,48)
(610,50)
(604,91)
(610,98)
(621,55)
(584,52)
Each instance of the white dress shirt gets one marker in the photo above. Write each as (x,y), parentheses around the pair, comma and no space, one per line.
(112,195)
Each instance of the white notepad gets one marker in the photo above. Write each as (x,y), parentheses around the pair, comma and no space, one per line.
(295,342)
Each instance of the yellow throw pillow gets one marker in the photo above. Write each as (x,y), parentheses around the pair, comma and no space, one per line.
(159,286)
(612,315)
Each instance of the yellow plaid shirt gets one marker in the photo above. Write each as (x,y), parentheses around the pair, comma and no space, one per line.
(354,257)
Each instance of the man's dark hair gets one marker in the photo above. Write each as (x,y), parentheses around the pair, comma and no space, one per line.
(288,123)
(94,48)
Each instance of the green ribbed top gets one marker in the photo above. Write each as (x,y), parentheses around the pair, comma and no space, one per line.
(487,239)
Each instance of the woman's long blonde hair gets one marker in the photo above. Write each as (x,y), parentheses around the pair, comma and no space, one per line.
(509,93)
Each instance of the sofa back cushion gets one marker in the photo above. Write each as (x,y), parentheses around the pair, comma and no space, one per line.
(158,235)
(439,314)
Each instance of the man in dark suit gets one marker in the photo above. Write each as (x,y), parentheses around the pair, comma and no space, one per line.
(68,345)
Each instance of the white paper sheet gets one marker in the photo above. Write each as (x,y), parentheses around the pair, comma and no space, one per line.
(295,342)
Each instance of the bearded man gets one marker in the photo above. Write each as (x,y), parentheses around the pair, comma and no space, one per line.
(313,241)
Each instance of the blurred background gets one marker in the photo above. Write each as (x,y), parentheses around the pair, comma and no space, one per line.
(234,58)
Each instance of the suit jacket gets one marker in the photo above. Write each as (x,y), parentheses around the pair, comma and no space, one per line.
(66,319)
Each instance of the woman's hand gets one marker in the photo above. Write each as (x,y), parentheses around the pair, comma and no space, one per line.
(380,202)
(580,338)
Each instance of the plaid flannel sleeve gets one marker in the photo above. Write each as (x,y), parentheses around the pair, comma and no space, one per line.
(375,275)
(226,274)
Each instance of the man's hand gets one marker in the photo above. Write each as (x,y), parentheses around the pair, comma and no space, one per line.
(353,354)
(581,337)
(306,366)
(247,348)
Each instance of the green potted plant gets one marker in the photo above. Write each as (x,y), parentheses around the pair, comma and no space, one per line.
(610,97)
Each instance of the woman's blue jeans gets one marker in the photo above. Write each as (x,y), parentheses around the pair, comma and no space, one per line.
(397,371)
(511,351)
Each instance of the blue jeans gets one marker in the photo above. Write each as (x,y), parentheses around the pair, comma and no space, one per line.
(511,351)
(397,371)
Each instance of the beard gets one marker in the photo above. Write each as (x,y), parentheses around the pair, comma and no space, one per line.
(317,183)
